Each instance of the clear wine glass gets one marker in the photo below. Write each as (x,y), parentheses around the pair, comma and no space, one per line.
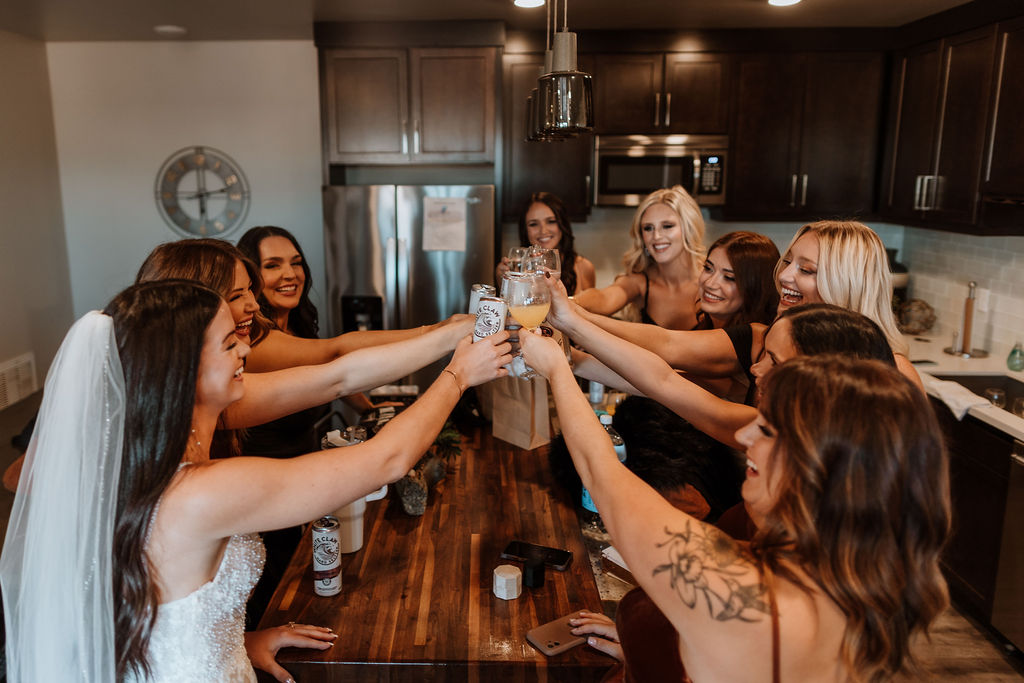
(529,300)
(515,258)
(540,260)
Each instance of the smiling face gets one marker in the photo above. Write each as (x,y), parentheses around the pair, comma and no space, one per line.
(778,348)
(660,228)
(219,381)
(542,226)
(241,302)
(719,294)
(282,271)
(760,488)
(798,279)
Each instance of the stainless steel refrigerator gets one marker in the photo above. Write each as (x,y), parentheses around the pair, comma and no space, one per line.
(399,256)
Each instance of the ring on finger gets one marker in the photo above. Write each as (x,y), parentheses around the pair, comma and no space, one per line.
(291,624)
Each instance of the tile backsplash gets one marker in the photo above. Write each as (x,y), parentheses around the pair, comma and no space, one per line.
(941,264)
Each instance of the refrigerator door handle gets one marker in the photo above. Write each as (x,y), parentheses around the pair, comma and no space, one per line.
(403,279)
(391,296)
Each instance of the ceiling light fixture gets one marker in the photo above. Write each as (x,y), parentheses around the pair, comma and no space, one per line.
(565,95)
(782,3)
(528,3)
(170,30)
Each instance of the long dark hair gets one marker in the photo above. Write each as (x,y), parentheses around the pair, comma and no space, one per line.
(863,508)
(160,329)
(566,249)
(303,320)
(825,328)
(210,262)
(753,258)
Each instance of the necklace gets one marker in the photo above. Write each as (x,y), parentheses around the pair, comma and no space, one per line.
(198,444)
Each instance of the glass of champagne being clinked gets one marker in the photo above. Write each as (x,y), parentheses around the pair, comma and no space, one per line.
(529,300)
(539,259)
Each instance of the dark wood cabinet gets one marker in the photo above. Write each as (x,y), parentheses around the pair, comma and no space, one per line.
(1002,182)
(804,135)
(562,168)
(660,93)
(430,105)
(979,468)
(940,106)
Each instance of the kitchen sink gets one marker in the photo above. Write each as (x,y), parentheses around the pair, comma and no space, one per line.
(977,384)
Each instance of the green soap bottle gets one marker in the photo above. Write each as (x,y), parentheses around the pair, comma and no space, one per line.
(1015,361)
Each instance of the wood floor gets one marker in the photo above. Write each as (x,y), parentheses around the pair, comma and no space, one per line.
(960,653)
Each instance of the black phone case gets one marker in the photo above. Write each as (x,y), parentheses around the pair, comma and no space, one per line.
(555,558)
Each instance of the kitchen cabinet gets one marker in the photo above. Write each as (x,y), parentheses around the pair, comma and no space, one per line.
(804,135)
(421,105)
(979,468)
(562,168)
(941,95)
(660,93)
(1002,183)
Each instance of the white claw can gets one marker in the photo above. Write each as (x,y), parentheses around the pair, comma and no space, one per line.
(478,291)
(490,317)
(326,556)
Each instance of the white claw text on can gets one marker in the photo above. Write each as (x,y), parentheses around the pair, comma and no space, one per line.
(326,556)
(490,317)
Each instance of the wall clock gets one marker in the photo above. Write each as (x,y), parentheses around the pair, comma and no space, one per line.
(202,192)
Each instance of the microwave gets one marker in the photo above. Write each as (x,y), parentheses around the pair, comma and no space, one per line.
(629,167)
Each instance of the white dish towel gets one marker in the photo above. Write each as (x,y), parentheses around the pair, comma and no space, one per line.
(956,396)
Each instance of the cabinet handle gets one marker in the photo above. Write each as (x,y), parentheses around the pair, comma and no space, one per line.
(792,192)
(668,109)
(405,137)
(803,192)
(416,136)
(933,198)
(657,108)
(918,182)
(587,199)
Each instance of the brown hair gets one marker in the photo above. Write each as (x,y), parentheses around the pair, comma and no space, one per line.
(210,262)
(864,509)
(566,243)
(753,258)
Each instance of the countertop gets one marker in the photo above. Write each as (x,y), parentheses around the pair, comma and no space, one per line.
(928,348)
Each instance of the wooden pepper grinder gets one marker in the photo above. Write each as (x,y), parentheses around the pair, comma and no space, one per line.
(962,346)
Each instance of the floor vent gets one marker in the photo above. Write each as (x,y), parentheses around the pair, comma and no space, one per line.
(17,379)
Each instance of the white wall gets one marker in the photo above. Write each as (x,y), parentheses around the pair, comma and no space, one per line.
(121,108)
(33,257)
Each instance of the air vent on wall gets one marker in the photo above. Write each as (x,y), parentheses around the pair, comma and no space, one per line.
(17,379)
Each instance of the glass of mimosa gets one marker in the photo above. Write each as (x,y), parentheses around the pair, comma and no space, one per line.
(528,299)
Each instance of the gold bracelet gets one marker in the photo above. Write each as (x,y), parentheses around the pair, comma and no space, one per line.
(454,377)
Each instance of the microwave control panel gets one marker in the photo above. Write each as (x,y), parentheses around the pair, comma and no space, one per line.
(712,171)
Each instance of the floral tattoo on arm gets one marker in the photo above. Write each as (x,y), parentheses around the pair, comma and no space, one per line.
(707,563)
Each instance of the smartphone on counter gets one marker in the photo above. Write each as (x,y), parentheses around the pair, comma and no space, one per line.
(522,551)
(555,636)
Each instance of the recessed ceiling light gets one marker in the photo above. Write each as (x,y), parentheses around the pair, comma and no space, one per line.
(782,3)
(529,3)
(170,30)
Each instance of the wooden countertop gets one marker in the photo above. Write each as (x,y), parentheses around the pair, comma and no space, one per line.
(418,594)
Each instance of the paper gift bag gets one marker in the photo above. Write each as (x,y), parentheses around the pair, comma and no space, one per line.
(520,411)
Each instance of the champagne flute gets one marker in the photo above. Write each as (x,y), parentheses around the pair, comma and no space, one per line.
(529,300)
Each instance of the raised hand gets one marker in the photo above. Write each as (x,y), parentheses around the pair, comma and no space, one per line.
(481,362)
(562,309)
(541,353)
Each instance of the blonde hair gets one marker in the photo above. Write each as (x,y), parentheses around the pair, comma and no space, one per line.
(691,222)
(853,272)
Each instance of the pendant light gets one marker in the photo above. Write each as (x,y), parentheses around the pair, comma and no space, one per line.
(566,94)
(535,105)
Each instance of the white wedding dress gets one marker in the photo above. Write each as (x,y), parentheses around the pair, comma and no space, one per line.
(200,637)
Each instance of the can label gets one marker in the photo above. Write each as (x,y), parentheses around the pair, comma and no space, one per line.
(476,292)
(326,556)
(490,317)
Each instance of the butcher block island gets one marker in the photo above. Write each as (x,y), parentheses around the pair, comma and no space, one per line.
(416,601)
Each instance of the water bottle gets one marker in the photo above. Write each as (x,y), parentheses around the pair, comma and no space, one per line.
(1015,361)
(617,442)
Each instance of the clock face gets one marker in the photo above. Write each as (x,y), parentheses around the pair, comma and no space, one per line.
(201,192)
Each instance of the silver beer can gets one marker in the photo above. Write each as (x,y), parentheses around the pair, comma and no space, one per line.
(477,291)
(490,317)
(326,556)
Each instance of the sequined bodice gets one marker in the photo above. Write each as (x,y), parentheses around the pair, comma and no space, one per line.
(200,637)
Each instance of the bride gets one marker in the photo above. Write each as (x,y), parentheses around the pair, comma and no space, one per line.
(130,553)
